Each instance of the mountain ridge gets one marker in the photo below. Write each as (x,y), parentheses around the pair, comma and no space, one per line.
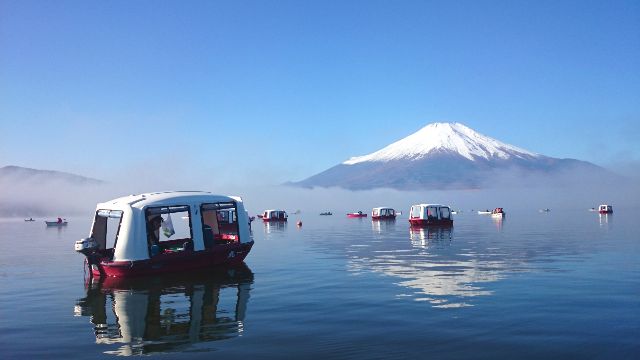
(25,174)
(445,156)
(32,192)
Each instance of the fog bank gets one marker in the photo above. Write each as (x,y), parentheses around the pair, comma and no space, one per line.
(49,198)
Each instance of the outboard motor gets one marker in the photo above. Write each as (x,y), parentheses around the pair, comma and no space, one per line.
(86,246)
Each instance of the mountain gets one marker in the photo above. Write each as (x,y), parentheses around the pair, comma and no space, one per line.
(446,156)
(22,174)
(32,192)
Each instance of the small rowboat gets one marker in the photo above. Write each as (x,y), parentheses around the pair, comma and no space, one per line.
(497,213)
(55,223)
(358,214)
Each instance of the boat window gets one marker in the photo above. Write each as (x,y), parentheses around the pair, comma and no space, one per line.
(445,213)
(278,215)
(415,211)
(169,228)
(219,223)
(106,227)
(375,212)
(432,212)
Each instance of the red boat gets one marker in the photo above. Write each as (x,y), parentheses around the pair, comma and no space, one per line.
(605,209)
(430,215)
(136,235)
(498,213)
(274,215)
(383,213)
(358,214)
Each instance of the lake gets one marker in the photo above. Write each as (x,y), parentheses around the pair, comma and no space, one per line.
(563,284)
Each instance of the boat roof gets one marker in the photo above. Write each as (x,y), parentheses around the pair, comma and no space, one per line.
(431,205)
(165,198)
(382,207)
(274,210)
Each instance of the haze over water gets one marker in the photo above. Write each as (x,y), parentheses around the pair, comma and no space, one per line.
(559,285)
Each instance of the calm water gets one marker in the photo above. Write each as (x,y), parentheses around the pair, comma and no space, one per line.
(561,285)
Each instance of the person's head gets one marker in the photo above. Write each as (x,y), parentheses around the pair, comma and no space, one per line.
(155,221)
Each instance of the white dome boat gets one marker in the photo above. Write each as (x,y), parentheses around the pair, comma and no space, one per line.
(430,215)
(135,235)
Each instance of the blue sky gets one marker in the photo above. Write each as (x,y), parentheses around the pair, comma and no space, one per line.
(280,90)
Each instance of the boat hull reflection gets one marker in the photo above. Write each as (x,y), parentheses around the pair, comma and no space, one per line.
(167,313)
(425,236)
(275,226)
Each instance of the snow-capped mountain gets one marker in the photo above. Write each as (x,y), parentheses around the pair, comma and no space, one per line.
(439,156)
(445,137)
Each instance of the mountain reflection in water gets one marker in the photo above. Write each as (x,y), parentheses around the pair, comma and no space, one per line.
(433,271)
(168,313)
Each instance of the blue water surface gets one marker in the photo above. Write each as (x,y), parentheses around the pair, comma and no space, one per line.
(563,284)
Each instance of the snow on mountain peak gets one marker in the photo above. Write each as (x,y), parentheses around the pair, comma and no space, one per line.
(447,137)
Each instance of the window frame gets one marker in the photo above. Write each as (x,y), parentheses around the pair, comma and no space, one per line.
(226,205)
(106,225)
(151,210)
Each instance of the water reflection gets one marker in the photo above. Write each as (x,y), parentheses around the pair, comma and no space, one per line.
(168,313)
(605,220)
(430,268)
(424,237)
(274,226)
(383,225)
(498,222)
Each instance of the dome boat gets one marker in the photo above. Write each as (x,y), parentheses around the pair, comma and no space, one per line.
(383,213)
(430,215)
(166,232)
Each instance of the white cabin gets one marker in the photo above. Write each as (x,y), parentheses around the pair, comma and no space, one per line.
(383,212)
(430,211)
(605,209)
(191,218)
(274,215)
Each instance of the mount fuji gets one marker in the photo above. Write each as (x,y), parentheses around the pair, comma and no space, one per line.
(447,156)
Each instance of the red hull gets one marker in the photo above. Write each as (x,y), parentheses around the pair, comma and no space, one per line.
(384,217)
(229,254)
(273,220)
(606,212)
(219,274)
(430,222)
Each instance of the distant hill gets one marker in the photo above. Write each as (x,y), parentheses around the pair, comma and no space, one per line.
(447,156)
(23,174)
(35,193)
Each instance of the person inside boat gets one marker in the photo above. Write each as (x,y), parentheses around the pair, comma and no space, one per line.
(153,230)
